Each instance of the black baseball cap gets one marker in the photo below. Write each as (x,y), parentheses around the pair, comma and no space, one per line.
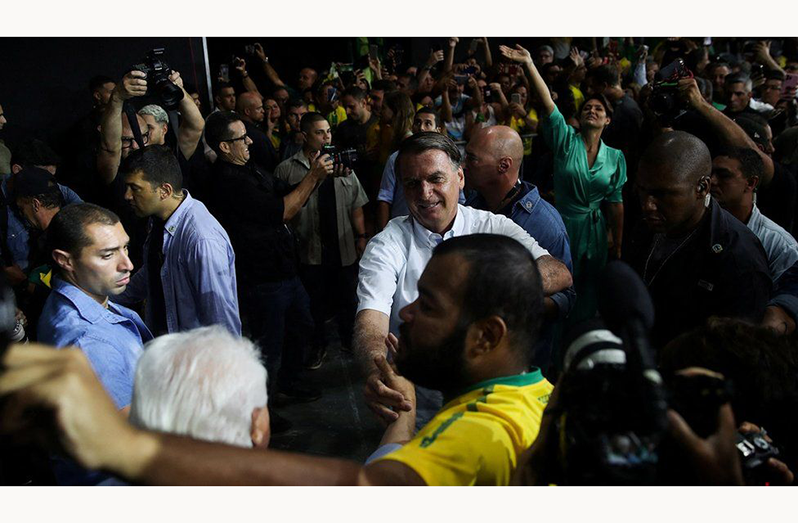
(33,181)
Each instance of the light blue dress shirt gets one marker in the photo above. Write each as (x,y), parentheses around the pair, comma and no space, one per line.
(198,272)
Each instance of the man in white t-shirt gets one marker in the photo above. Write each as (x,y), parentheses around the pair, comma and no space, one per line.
(428,165)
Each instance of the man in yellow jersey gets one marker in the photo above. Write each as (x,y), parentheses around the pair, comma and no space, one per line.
(468,334)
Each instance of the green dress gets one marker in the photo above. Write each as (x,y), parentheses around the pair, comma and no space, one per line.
(580,191)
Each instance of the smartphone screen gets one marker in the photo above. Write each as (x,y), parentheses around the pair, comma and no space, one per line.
(515,98)
(373,52)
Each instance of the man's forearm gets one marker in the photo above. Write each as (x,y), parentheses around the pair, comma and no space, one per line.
(733,135)
(191,126)
(294,201)
(555,276)
(368,339)
(162,459)
(110,154)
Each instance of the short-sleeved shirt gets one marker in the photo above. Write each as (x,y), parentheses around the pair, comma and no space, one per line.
(349,195)
(111,338)
(476,439)
(396,257)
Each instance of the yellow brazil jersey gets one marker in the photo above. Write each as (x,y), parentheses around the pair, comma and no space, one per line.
(476,438)
(519,125)
(579,98)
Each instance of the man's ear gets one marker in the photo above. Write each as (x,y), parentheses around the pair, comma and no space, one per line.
(484,336)
(225,147)
(165,191)
(752,183)
(96,96)
(260,433)
(505,164)
(63,259)
(15,168)
(461,177)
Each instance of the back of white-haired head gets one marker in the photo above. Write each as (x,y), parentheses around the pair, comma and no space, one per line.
(204,383)
(156,111)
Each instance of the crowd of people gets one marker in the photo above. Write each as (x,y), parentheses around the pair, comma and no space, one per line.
(454,217)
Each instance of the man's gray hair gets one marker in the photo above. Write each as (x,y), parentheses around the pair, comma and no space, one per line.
(420,143)
(739,78)
(203,383)
(156,111)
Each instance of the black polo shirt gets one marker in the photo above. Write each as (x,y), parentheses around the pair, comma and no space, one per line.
(721,270)
(248,202)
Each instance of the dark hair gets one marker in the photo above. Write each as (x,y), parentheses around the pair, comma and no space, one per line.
(217,128)
(412,81)
(427,110)
(762,366)
(754,127)
(385,86)
(355,92)
(600,98)
(33,152)
(751,163)
(503,280)
(157,164)
(223,85)
(428,141)
(296,102)
(404,111)
(67,230)
(98,81)
(308,119)
(774,74)
(705,87)
(606,74)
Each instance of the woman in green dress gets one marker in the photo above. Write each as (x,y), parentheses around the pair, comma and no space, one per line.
(587,176)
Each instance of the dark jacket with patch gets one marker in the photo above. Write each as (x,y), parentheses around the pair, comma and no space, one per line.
(721,271)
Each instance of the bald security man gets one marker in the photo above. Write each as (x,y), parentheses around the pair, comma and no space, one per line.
(492,164)
(696,259)
(262,152)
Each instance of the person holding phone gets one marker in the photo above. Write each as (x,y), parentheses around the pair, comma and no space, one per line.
(587,175)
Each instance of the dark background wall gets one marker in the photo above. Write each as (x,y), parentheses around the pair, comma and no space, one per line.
(44,81)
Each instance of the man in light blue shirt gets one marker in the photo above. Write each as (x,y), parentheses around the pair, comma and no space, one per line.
(188,276)
(89,249)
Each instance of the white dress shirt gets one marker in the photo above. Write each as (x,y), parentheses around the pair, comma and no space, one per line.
(396,257)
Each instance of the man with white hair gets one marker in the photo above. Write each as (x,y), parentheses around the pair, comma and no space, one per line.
(203,383)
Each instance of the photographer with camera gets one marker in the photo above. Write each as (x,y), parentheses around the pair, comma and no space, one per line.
(115,135)
(331,232)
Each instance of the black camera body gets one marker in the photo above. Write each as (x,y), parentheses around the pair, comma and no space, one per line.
(346,157)
(755,451)
(664,100)
(159,87)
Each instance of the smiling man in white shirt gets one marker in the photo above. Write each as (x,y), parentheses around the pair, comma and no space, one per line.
(429,170)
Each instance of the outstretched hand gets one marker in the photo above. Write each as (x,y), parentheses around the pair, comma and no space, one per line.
(519,54)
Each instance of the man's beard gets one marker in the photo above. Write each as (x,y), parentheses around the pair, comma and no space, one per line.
(441,368)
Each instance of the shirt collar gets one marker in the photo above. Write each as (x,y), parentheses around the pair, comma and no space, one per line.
(427,237)
(755,218)
(87,307)
(301,158)
(174,221)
